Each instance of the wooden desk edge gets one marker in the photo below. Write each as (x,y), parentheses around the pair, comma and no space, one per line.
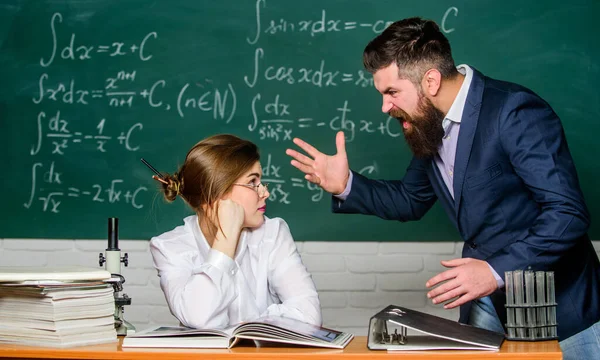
(357,349)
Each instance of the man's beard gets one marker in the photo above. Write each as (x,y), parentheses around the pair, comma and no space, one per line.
(425,134)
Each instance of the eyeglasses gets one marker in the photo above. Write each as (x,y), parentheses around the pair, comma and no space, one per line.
(260,188)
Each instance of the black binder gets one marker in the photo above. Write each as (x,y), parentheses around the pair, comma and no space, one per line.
(388,330)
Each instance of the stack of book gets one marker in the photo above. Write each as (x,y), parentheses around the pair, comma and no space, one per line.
(56,307)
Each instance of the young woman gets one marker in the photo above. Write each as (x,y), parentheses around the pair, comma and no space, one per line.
(229,263)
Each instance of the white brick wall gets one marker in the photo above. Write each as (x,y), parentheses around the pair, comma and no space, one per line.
(354,279)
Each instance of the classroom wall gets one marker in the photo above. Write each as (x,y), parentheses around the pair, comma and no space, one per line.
(354,279)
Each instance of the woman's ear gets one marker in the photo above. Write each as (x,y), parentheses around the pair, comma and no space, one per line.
(206,210)
(210,211)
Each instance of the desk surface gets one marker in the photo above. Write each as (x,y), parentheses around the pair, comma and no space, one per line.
(357,349)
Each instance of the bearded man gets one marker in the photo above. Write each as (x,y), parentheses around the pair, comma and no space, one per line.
(495,155)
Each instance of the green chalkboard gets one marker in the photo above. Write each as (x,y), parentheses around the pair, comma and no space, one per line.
(90,87)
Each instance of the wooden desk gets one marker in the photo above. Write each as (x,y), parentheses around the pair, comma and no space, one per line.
(356,350)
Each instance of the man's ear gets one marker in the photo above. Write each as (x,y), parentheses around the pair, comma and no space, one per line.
(431,83)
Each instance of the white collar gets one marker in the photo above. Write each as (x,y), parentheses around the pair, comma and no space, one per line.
(458,106)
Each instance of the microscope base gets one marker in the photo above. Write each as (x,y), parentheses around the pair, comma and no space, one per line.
(126,328)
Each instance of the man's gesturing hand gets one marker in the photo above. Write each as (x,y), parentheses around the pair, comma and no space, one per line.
(328,171)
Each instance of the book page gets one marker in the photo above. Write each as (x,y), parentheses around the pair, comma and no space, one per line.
(281,325)
(291,331)
(175,331)
(179,337)
(57,273)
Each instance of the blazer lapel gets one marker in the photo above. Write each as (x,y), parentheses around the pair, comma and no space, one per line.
(468,126)
(443,193)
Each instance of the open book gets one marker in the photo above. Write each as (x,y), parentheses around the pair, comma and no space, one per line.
(388,330)
(265,329)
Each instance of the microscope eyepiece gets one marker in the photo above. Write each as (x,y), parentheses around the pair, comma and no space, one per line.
(113,234)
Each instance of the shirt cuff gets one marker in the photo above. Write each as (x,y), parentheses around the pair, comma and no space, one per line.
(498,278)
(222,262)
(344,194)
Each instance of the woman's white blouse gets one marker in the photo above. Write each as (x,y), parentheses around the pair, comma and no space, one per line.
(207,289)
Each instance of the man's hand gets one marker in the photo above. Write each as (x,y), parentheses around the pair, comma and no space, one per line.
(328,171)
(468,279)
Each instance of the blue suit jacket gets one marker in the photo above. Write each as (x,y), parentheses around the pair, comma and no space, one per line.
(517,201)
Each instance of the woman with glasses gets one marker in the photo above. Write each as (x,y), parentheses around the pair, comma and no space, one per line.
(229,263)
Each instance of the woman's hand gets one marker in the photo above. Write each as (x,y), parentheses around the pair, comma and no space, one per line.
(229,228)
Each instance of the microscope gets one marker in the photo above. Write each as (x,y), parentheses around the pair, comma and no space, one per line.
(113,262)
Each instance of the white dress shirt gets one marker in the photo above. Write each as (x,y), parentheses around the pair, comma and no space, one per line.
(444,159)
(207,289)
